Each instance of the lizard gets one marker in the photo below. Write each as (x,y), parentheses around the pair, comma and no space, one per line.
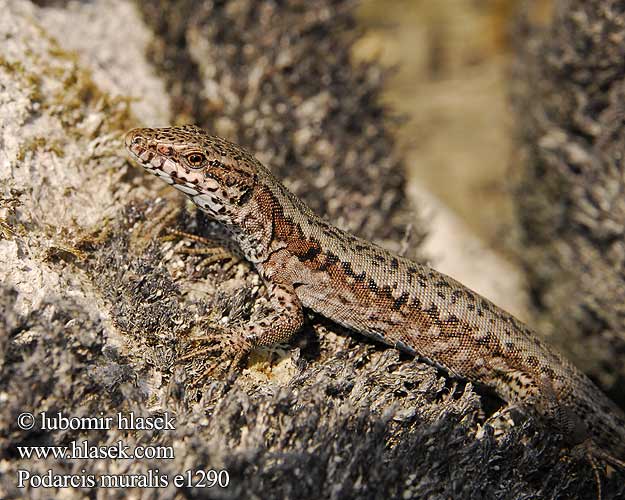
(305,262)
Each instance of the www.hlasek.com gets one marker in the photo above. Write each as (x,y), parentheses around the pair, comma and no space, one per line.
(77,450)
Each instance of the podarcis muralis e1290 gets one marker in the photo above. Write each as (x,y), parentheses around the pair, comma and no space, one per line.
(306,262)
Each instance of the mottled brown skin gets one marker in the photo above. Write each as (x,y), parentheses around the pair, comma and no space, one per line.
(306,262)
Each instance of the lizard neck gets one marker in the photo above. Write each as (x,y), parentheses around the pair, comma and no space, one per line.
(272,219)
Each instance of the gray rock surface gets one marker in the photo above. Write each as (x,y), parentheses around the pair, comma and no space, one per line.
(569,94)
(98,303)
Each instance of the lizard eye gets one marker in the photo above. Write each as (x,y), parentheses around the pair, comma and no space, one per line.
(196,160)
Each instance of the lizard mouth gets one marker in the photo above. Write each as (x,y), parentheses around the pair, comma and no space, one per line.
(137,146)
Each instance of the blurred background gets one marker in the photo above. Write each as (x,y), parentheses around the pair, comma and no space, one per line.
(449,84)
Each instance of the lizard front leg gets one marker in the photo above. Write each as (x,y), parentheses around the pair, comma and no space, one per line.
(283,321)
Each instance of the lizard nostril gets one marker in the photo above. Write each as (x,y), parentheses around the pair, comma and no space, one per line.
(134,138)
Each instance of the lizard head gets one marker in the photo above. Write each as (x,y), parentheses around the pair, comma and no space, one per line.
(217,175)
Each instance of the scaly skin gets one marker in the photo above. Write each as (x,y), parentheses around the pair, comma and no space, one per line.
(306,262)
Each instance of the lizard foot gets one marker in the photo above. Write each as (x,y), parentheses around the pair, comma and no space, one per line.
(232,346)
(597,458)
(212,251)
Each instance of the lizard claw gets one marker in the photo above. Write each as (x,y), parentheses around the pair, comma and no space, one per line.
(233,346)
(212,251)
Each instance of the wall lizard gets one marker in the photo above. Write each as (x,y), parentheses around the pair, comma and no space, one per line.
(305,262)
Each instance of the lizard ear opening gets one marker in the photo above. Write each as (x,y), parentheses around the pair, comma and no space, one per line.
(245,195)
